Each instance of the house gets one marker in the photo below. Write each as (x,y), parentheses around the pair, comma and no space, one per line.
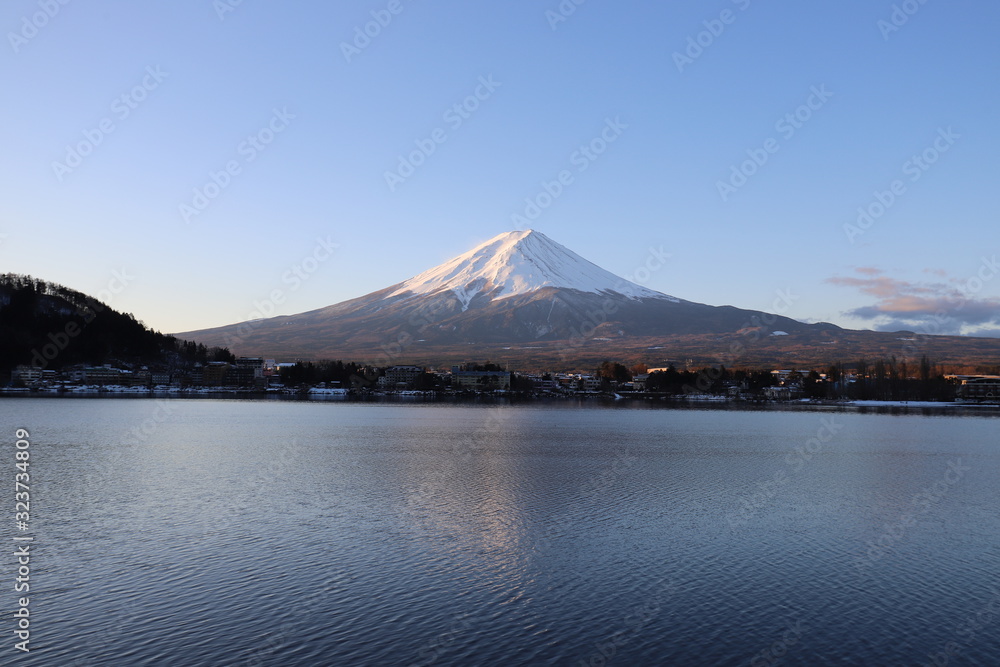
(778,393)
(545,382)
(399,377)
(782,376)
(579,383)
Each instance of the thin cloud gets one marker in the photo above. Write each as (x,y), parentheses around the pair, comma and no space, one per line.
(940,307)
(986,333)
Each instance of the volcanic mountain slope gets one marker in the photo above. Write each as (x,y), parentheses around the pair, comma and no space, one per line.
(518,289)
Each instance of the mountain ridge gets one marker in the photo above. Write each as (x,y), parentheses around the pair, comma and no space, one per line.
(528,300)
(516,288)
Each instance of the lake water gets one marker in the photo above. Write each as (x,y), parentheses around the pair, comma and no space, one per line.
(204,532)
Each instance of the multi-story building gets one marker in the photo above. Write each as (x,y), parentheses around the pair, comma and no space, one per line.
(27,375)
(479,380)
(213,374)
(247,372)
(983,389)
(575,382)
(102,375)
(399,377)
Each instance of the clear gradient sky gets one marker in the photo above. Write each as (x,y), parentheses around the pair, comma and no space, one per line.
(160,95)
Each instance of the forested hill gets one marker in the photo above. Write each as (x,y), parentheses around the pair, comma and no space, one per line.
(51,326)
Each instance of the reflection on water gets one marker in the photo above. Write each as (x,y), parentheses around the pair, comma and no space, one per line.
(287,533)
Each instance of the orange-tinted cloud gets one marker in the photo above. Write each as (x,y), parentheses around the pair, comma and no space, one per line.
(940,307)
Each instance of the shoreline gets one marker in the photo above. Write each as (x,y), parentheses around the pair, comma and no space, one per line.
(690,401)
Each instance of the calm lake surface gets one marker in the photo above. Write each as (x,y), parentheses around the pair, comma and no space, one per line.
(204,532)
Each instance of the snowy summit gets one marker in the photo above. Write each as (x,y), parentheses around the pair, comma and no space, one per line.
(520,262)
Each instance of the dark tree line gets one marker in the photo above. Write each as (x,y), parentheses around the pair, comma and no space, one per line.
(50,326)
(709,380)
(882,379)
(310,373)
(897,380)
(614,372)
(489,366)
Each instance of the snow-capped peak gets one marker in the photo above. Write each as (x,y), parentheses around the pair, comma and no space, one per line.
(520,262)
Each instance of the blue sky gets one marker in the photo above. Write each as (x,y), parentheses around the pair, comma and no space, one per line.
(300,132)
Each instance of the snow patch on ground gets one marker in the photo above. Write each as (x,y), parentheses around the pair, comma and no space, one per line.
(904,404)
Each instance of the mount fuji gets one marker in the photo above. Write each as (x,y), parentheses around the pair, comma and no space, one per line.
(518,296)
(517,263)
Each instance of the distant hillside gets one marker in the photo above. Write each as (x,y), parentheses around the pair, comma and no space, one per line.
(51,326)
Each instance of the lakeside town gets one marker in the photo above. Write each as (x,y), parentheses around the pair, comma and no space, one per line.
(66,343)
(878,381)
